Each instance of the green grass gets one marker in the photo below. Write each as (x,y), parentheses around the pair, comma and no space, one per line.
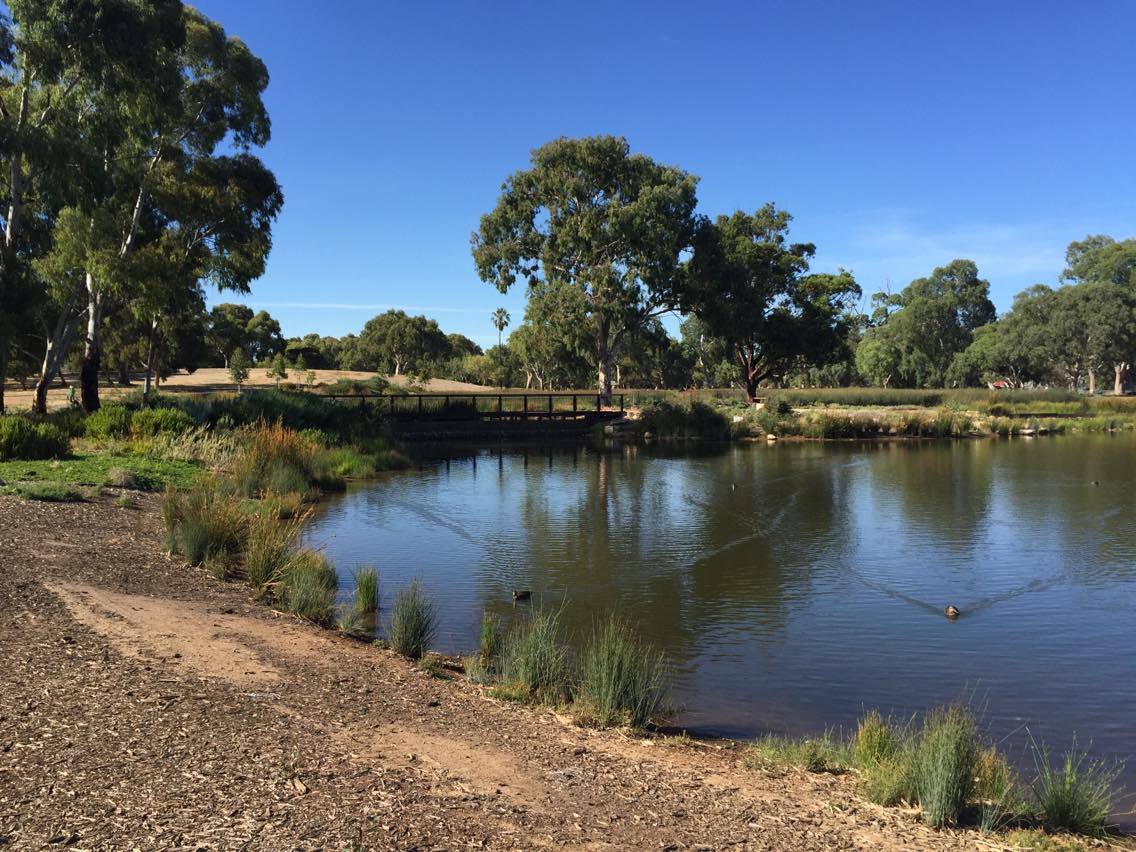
(94,469)
(535,660)
(366,590)
(269,549)
(308,587)
(944,764)
(49,492)
(413,622)
(622,680)
(204,522)
(492,641)
(826,753)
(1076,794)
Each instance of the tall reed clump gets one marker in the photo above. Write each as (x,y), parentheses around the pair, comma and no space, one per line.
(1077,793)
(944,764)
(413,623)
(204,523)
(308,587)
(269,549)
(277,460)
(622,679)
(366,591)
(492,641)
(536,661)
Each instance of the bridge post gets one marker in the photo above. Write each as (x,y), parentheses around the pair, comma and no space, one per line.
(550,403)
(573,403)
(621,403)
(598,400)
(419,405)
(526,401)
(500,403)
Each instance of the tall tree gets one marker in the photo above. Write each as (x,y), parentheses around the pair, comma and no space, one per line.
(749,286)
(591,215)
(395,342)
(500,322)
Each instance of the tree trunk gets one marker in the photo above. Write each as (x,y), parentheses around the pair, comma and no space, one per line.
(55,351)
(124,374)
(1117,387)
(92,352)
(3,379)
(1092,381)
(150,360)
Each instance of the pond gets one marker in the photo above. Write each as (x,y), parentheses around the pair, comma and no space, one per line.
(795,585)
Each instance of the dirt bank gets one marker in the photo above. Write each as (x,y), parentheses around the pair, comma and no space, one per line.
(144,705)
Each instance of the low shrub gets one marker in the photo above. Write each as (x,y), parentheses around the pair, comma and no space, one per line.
(49,492)
(413,623)
(366,590)
(110,421)
(148,422)
(23,438)
(1075,795)
(622,680)
(276,460)
(672,421)
(535,659)
(120,477)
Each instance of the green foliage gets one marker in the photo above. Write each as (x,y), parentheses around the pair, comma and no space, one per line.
(149,474)
(876,740)
(621,679)
(23,438)
(536,660)
(148,422)
(826,753)
(308,587)
(413,622)
(676,421)
(944,764)
(49,492)
(492,641)
(204,522)
(239,367)
(269,549)
(110,421)
(366,590)
(1076,794)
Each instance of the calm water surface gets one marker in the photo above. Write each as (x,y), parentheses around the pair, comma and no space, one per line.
(795,585)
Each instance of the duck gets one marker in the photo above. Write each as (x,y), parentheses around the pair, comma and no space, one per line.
(952,612)
(521,595)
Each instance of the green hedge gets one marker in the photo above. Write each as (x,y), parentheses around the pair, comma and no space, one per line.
(23,438)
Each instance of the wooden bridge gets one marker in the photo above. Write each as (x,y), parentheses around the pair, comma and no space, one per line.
(459,414)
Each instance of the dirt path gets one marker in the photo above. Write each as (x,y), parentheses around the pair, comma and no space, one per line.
(143,705)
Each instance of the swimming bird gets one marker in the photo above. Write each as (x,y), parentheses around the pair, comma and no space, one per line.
(952,612)
(521,595)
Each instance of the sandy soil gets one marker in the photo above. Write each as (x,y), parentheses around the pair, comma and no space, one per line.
(145,705)
(217,379)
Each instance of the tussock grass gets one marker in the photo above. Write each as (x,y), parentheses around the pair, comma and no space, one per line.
(413,623)
(120,477)
(476,670)
(308,586)
(535,661)
(203,522)
(826,753)
(1077,793)
(276,460)
(622,679)
(49,492)
(366,590)
(269,549)
(876,740)
(944,764)
(492,641)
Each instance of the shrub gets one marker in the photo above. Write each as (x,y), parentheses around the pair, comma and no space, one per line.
(49,492)
(536,660)
(683,422)
(309,587)
(277,459)
(22,438)
(149,422)
(621,679)
(1076,795)
(944,763)
(366,590)
(110,421)
(412,624)
(120,477)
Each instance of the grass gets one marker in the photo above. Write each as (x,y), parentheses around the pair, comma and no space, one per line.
(49,492)
(944,764)
(269,549)
(308,587)
(413,622)
(1076,794)
(366,591)
(826,753)
(622,680)
(535,661)
(204,522)
(94,469)
(1036,840)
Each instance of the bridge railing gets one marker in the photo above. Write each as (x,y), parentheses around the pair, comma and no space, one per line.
(474,406)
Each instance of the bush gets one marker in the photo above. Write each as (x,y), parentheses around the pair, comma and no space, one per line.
(621,679)
(535,660)
(366,591)
(1076,795)
(149,422)
(944,764)
(412,625)
(110,421)
(22,438)
(309,587)
(674,421)
(276,460)
(120,477)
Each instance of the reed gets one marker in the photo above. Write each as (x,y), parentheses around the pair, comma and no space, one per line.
(413,622)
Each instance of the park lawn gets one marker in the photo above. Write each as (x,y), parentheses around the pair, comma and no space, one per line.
(150,474)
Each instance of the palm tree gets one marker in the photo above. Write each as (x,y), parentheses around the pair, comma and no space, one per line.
(500,320)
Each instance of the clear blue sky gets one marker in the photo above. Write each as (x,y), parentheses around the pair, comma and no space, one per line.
(900,135)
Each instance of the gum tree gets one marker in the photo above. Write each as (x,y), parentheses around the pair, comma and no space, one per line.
(591,215)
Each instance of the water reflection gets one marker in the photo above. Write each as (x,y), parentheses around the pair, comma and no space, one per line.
(795,585)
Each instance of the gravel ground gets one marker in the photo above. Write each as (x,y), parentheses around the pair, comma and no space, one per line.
(144,705)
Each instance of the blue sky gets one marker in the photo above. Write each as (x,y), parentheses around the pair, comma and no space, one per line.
(899,135)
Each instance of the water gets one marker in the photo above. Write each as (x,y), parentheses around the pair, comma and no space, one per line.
(795,585)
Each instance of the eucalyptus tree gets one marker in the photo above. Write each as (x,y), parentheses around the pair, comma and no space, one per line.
(398,343)
(1103,260)
(591,215)
(750,286)
(1017,349)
